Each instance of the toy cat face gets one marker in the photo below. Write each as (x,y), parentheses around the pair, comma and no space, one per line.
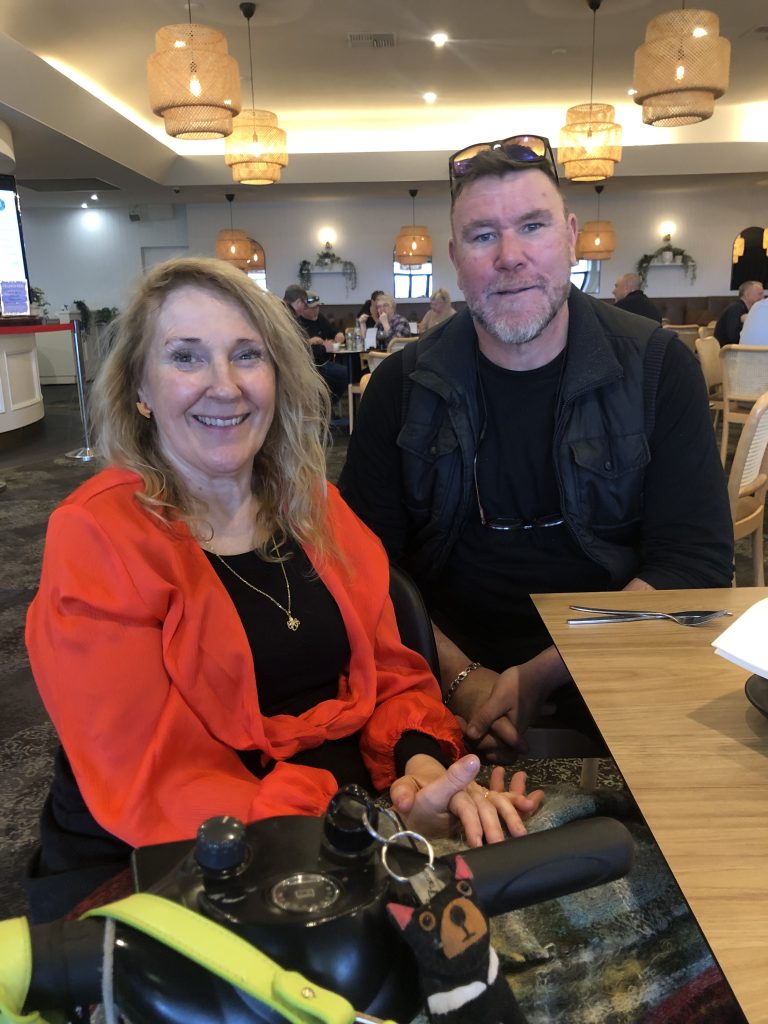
(450,926)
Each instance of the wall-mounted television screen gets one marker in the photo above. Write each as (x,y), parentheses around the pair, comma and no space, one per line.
(14,280)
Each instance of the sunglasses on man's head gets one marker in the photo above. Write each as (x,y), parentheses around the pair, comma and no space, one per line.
(528,149)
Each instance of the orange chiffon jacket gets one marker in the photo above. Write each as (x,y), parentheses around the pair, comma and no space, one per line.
(145,670)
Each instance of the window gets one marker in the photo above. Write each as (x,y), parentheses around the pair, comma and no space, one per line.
(412,282)
(259,277)
(586,276)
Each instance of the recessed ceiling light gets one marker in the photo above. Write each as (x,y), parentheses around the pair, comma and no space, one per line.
(429,97)
(94,196)
(631,92)
(440,38)
(83,206)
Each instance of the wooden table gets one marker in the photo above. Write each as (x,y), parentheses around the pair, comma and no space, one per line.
(694,753)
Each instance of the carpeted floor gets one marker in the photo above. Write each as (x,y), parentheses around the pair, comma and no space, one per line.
(37,477)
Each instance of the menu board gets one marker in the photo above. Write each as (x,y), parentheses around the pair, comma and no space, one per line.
(14,283)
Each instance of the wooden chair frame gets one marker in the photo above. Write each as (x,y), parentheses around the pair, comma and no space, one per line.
(747,484)
(745,379)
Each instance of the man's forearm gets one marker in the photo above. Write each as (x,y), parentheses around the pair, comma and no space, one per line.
(546,671)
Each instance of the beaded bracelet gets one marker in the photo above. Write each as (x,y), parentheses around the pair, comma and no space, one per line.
(456,683)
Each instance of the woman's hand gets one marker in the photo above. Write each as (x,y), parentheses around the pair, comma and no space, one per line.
(438,802)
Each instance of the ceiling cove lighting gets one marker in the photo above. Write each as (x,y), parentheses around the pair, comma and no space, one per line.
(194,85)
(597,239)
(590,141)
(413,246)
(257,149)
(233,245)
(681,68)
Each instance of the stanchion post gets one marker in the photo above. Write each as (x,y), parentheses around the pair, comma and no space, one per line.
(86,453)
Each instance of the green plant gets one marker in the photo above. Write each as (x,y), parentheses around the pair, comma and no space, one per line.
(645,261)
(105,315)
(305,273)
(85,314)
(37,297)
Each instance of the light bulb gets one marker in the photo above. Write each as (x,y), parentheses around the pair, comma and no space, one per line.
(413,246)
(194,85)
(680,72)
(440,39)
(698,32)
(232,249)
(429,97)
(597,241)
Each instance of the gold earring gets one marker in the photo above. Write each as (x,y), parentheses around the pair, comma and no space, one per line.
(144,409)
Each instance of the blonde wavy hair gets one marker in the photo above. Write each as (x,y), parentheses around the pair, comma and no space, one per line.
(289,470)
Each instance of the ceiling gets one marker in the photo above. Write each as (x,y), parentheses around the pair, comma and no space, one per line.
(73,93)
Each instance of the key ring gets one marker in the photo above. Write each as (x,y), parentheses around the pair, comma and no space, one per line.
(418,838)
(390,815)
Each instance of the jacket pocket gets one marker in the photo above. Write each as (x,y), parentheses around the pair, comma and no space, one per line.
(610,472)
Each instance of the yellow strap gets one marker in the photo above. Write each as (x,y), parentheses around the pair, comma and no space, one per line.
(15,971)
(227,955)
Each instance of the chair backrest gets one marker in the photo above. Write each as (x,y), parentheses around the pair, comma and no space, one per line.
(687,333)
(373,358)
(412,617)
(749,470)
(708,351)
(708,331)
(745,372)
(397,343)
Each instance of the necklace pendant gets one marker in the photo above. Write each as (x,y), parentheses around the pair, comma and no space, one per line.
(293,623)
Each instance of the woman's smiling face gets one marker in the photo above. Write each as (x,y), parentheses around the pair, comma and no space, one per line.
(210,383)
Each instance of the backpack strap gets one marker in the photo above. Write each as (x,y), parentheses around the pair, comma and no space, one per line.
(654,358)
(409,363)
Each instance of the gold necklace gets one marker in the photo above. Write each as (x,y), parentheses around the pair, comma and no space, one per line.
(291,621)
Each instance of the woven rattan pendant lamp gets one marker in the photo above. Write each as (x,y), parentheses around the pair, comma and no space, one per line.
(413,246)
(597,239)
(233,245)
(193,82)
(257,148)
(590,141)
(681,68)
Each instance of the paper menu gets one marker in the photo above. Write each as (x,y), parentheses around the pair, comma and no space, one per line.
(745,642)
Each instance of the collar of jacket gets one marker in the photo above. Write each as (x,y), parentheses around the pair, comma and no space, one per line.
(449,368)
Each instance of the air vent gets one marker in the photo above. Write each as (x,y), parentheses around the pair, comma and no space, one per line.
(67,185)
(371,40)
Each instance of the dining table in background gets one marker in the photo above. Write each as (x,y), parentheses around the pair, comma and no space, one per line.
(694,754)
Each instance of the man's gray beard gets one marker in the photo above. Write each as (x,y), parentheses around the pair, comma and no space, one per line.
(517,332)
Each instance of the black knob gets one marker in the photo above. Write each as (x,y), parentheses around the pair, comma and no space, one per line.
(221,844)
(344,824)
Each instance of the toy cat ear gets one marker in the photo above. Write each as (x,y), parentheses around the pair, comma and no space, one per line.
(461,869)
(400,914)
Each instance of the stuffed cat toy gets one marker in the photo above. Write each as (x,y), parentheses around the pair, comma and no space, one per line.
(458,967)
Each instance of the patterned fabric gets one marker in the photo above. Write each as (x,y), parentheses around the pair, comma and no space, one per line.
(628,952)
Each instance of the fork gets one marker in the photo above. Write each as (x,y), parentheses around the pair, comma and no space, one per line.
(683,618)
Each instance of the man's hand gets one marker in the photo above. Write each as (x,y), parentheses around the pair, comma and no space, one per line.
(437,801)
(496,708)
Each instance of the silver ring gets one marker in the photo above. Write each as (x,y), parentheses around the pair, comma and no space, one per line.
(407,834)
(388,813)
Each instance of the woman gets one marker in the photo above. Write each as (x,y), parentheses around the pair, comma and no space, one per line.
(389,323)
(366,315)
(213,631)
(440,309)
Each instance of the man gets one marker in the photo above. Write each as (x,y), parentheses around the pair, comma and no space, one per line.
(539,440)
(755,328)
(320,337)
(728,326)
(629,295)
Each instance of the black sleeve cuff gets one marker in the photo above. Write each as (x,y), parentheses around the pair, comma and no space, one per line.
(412,743)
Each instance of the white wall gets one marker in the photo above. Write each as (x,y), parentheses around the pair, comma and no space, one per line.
(71,260)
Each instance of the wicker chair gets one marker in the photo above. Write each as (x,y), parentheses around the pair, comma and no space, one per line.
(708,351)
(747,484)
(745,379)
